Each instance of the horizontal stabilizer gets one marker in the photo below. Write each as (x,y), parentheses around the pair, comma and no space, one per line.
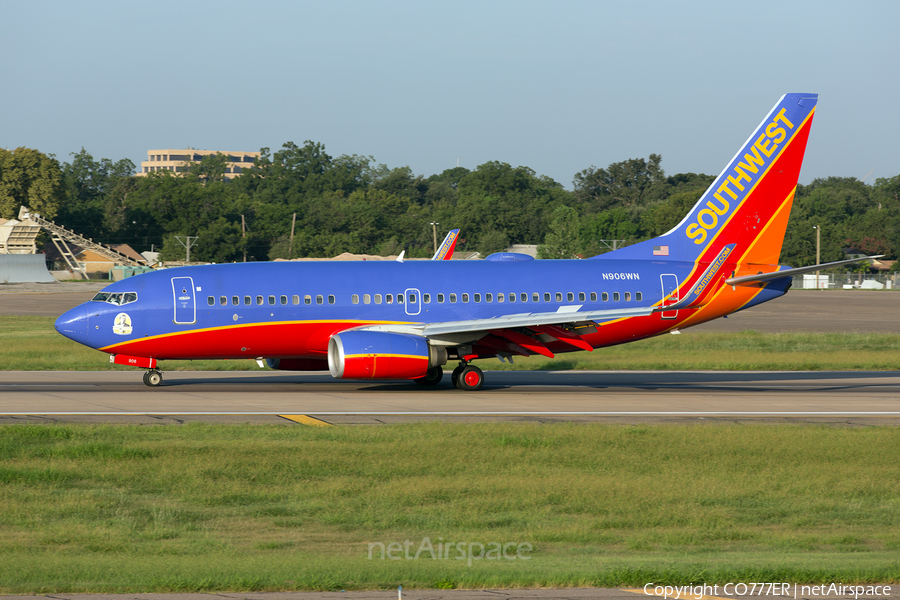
(761,277)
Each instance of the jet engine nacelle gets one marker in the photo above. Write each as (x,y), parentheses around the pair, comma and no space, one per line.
(382,355)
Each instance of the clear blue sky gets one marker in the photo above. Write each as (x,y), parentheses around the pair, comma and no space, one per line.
(554,86)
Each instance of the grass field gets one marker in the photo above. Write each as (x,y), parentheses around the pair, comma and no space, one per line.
(32,344)
(205,508)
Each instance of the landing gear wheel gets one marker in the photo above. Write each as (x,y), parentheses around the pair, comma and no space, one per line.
(432,377)
(454,377)
(470,379)
(152,378)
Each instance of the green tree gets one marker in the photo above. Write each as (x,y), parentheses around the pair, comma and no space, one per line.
(614,224)
(491,242)
(88,185)
(562,241)
(631,183)
(29,178)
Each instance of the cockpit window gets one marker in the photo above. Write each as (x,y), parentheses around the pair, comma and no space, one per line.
(115,298)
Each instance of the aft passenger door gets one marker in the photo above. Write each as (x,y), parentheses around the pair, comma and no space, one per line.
(669,294)
(185,302)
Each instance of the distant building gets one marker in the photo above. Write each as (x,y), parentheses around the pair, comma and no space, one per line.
(92,262)
(179,161)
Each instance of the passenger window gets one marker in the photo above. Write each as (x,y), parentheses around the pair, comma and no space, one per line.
(235,300)
(512,296)
(559,296)
(501,297)
(615,296)
(426,298)
(606,296)
(330,299)
(389,298)
(223,300)
(271,299)
(247,300)
(476,297)
(593,296)
(638,296)
(259,300)
(295,299)
(581,296)
(453,298)
(412,298)
(400,299)
(354,298)
(307,299)
(377,298)
(367,299)
(546,296)
(319,299)
(523,297)
(465,297)
(570,297)
(627,296)
(440,298)
(283,300)
(211,300)
(488,297)
(535,297)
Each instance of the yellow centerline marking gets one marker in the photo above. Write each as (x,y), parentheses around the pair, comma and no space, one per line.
(306,420)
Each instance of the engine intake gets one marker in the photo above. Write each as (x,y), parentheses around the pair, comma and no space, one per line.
(382,355)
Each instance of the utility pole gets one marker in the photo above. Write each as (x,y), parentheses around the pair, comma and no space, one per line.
(291,245)
(818,229)
(244,236)
(187,241)
(434,225)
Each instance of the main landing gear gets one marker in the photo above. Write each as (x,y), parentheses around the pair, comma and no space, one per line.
(432,377)
(467,377)
(153,378)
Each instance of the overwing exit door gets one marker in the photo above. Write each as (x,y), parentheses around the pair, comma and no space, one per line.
(413,301)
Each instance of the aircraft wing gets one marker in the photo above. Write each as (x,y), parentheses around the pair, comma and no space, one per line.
(533,320)
(522,333)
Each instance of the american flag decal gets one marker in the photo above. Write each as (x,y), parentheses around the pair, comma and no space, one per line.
(660,250)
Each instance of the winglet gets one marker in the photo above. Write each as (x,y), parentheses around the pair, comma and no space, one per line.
(445,251)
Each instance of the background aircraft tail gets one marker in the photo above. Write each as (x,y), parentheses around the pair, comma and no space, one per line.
(749,203)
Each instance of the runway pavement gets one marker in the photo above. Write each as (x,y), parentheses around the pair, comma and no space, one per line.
(624,396)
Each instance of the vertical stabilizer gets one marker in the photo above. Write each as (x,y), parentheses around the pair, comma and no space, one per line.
(749,203)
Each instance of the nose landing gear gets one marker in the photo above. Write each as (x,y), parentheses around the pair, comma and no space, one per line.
(153,378)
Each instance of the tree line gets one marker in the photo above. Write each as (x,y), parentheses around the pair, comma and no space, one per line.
(352,204)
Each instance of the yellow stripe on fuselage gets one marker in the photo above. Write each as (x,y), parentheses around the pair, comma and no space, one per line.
(349,322)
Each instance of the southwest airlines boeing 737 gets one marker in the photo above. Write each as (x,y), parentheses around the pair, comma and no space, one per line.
(406,319)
